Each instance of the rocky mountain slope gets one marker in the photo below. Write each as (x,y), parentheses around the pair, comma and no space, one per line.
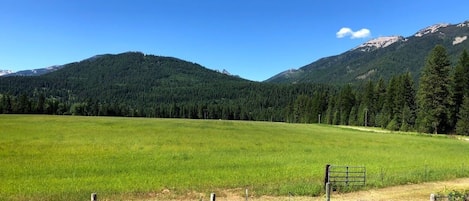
(381,57)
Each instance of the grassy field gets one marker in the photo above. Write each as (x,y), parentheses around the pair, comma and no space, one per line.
(68,157)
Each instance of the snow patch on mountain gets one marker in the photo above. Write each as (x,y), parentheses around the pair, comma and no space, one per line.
(5,72)
(458,40)
(464,24)
(35,72)
(380,42)
(430,29)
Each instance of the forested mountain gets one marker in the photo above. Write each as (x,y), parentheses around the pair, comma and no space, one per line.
(135,84)
(382,57)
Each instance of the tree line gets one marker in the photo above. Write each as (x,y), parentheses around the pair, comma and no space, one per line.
(437,103)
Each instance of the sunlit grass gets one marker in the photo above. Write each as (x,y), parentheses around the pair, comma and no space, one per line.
(67,157)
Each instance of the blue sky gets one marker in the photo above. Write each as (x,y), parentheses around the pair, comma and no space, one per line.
(255,39)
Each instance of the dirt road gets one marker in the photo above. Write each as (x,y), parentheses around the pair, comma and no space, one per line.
(414,192)
(405,192)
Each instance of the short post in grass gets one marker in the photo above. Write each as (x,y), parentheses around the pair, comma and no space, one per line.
(212,196)
(432,197)
(247,195)
(94,197)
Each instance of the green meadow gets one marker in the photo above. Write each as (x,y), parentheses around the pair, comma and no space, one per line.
(70,157)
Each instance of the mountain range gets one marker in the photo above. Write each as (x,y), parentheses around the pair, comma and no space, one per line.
(136,84)
(380,57)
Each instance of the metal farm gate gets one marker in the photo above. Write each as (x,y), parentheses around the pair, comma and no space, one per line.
(343,178)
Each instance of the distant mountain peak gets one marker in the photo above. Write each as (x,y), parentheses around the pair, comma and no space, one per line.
(431,29)
(5,72)
(33,72)
(380,42)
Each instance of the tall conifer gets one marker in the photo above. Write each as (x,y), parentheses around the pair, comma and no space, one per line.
(461,83)
(434,96)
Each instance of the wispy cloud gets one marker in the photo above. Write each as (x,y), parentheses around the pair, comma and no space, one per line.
(345,31)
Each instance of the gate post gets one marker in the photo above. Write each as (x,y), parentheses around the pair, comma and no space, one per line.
(326,176)
(212,196)
(328,191)
(94,197)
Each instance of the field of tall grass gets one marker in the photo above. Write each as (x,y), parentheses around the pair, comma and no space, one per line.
(69,157)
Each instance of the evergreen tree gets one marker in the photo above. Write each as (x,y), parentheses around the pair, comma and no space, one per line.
(353,118)
(24,105)
(389,107)
(302,109)
(406,124)
(408,113)
(316,107)
(2,103)
(331,110)
(433,97)
(462,127)
(368,106)
(7,103)
(40,104)
(380,91)
(461,82)
(345,103)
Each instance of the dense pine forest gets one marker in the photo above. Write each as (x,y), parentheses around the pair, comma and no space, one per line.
(138,85)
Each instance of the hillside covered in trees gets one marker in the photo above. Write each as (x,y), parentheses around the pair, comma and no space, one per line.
(135,84)
(138,85)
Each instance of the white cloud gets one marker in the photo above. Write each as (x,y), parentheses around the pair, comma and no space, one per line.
(345,31)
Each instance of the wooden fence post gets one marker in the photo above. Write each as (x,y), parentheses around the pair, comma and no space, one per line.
(432,197)
(212,196)
(94,197)
(247,195)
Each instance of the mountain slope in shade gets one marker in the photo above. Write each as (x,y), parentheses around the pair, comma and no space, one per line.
(382,57)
